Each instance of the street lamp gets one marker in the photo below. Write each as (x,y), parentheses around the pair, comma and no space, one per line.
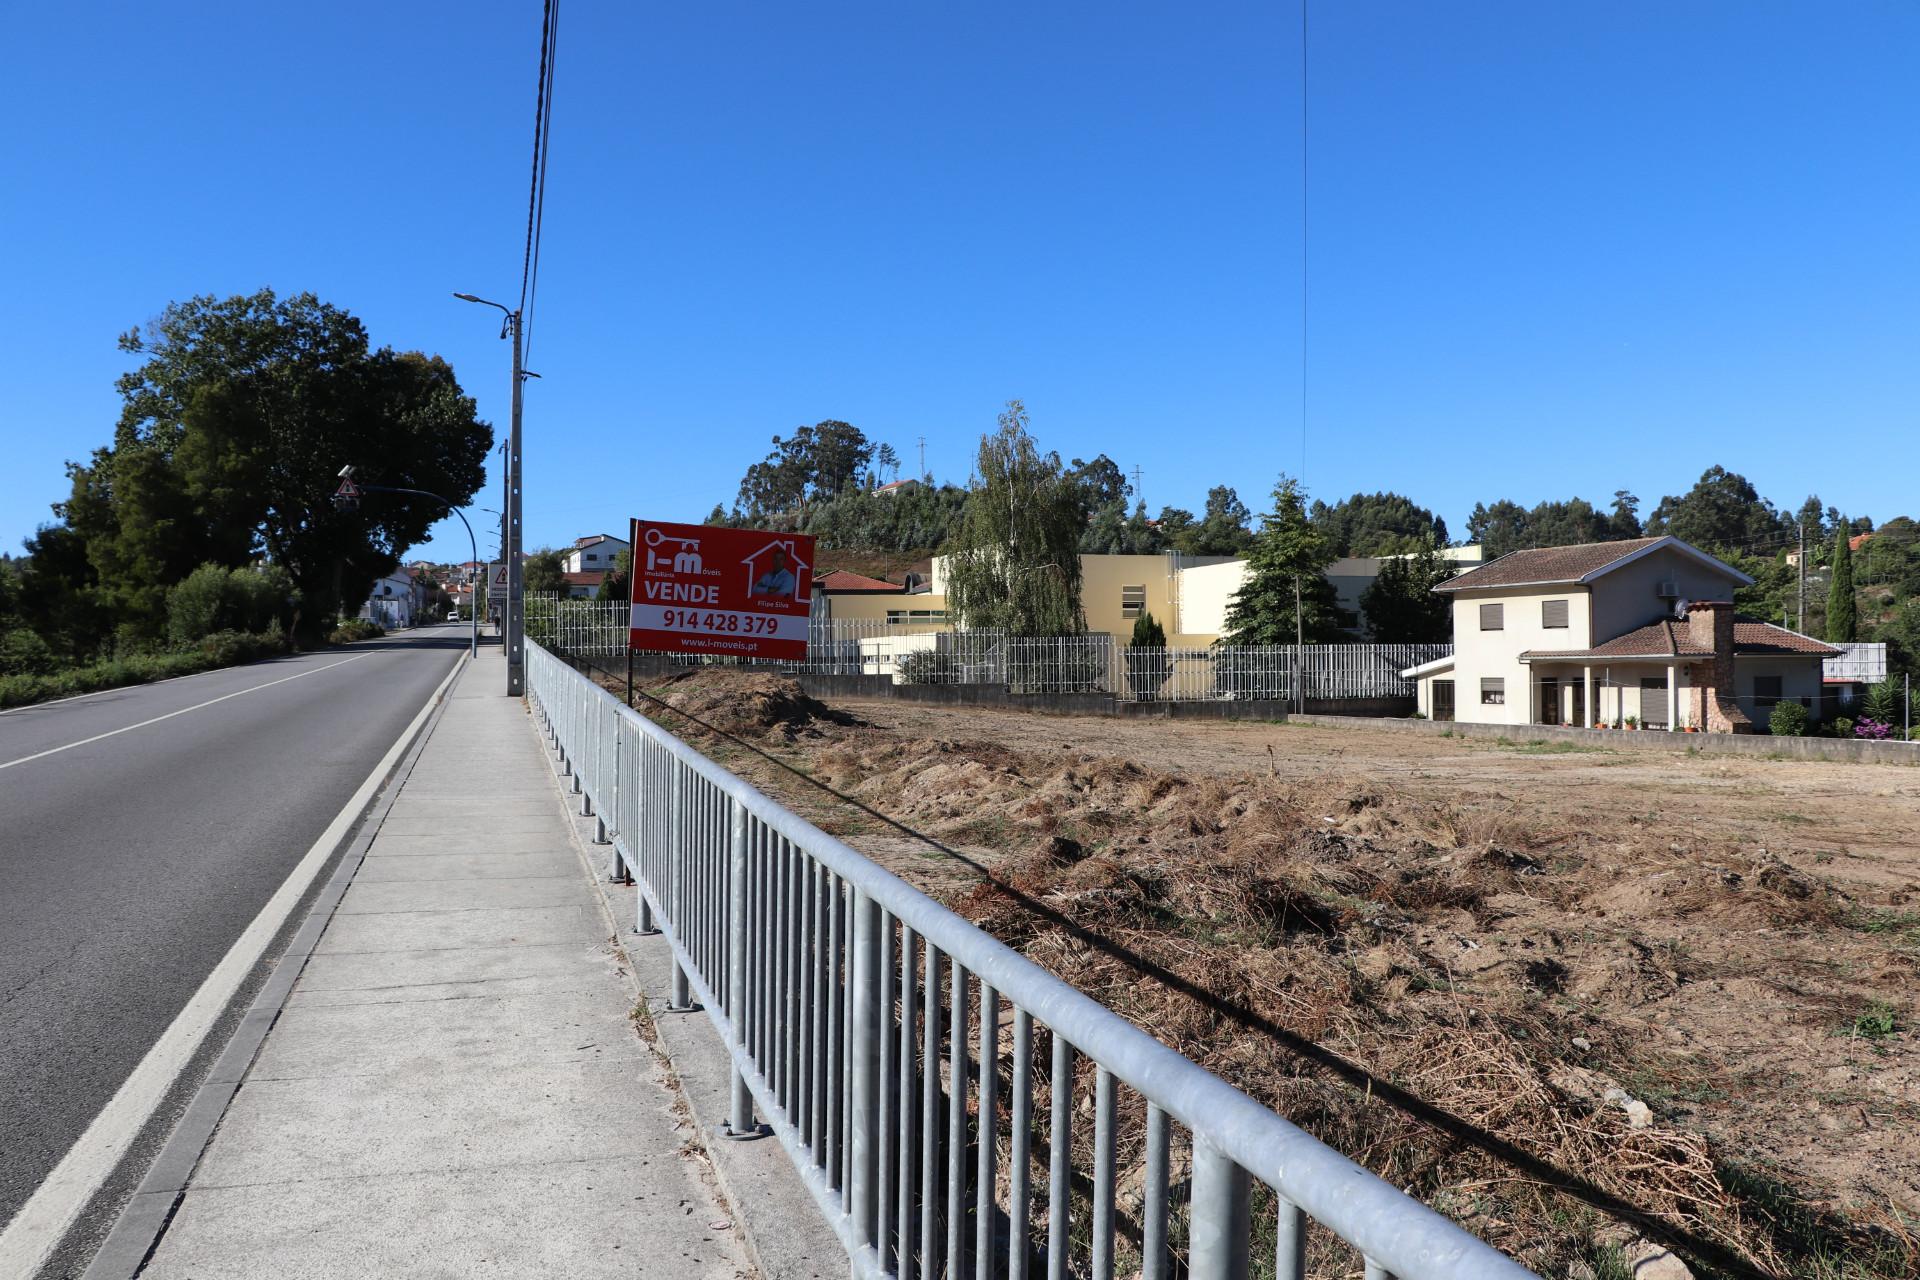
(351,488)
(513,634)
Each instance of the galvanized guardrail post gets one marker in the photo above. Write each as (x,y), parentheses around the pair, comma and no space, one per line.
(1222,1197)
(680,1001)
(740,1109)
(863,1120)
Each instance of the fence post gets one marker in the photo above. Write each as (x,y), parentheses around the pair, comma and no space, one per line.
(740,1110)
(869,1023)
(1222,1197)
(676,905)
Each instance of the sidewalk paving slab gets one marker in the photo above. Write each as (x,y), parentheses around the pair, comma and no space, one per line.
(455,1085)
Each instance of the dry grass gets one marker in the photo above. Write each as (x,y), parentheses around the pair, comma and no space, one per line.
(1457,989)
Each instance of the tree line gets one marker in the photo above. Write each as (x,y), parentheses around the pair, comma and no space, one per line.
(210,509)
(826,480)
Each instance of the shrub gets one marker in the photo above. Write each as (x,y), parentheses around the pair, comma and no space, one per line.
(926,666)
(195,604)
(1149,665)
(1789,720)
(1841,727)
(1872,730)
(22,653)
(1882,702)
(213,598)
(353,629)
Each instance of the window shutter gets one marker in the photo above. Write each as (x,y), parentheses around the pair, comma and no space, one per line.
(1553,613)
(1493,617)
(1493,691)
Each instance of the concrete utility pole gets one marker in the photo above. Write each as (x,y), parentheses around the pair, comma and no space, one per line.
(513,632)
(1802,526)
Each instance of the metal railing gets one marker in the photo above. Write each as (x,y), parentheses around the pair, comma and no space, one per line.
(902,1056)
(924,653)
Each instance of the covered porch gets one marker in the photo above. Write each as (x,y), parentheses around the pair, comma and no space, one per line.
(1649,693)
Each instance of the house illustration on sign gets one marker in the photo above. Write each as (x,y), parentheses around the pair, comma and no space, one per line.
(774,571)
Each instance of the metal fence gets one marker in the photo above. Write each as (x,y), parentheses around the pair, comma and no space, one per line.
(1096,664)
(904,1058)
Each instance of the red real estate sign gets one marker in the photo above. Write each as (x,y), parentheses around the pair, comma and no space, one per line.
(698,589)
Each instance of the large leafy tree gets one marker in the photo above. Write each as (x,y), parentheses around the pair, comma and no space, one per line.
(816,463)
(232,431)
(1507,526)
(1400,604)
(1286,564)
(1014,562)
(1222,528)
(1721,512)
(1378,524)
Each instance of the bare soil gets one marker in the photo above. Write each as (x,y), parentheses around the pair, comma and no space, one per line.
(1575,998)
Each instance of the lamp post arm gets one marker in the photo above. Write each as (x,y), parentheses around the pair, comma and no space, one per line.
(473,548)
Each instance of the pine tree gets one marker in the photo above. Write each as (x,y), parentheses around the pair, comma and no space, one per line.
(1287,562)
(1842,622)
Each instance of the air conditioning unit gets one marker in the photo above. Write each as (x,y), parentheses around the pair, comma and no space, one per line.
(1668,590)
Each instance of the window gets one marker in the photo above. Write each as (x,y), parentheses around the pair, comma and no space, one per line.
(1553,613)
(1133,601)
(897,616)
(1493,617)
(1766,691)
(1493,689)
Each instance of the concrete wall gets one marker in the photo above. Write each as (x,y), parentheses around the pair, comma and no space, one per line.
(1844,750)
(1206,592)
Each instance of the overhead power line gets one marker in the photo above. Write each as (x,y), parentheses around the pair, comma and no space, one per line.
(537,185)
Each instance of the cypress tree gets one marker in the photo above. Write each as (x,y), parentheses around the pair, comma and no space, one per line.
(1842,621)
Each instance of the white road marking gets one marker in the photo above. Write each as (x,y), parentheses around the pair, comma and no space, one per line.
(44,1219)
(54,751)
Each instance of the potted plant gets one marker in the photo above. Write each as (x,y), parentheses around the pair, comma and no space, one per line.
(1633,722)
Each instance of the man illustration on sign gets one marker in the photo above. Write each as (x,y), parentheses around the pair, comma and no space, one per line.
(778,580)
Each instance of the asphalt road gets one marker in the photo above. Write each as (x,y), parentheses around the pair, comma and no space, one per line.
(130,863)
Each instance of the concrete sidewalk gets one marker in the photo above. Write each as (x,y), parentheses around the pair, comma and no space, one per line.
(455,1085)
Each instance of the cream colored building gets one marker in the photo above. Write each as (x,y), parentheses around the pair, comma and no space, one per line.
(1594,634)
(1188,595)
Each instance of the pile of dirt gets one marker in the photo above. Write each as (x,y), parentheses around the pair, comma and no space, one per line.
(747,704)
(1483,1002)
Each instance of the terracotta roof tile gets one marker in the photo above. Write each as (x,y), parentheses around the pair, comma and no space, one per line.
(1670,638)
(846,580)
(1547,565)
(1751,635)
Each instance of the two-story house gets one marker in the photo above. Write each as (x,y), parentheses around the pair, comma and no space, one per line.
(595,553)
(1599,633)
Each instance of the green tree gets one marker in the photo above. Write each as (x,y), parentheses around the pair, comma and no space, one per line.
(231,432)
(615,586)
(1721,512)
(1014,562)
(1842,620)
(1287,563)
(815,463)
(1378,524)
(1400,604)
(544,573)
(1223,525)
(1625,519)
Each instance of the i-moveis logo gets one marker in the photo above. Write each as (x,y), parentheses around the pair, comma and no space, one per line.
(685,560)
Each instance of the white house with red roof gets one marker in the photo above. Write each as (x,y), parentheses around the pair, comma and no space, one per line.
(1603,633)
(595,553)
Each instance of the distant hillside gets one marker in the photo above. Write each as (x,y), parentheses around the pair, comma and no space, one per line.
(891,565)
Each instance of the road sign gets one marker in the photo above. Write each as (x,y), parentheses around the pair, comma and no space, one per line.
(701,589)
(497,579)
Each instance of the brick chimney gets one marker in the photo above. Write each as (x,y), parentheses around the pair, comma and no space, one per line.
(1710,626)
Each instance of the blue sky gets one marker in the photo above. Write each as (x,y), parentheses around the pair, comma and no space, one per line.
(1555,249)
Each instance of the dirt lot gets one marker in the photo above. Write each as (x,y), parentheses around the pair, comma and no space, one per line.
(1578,998)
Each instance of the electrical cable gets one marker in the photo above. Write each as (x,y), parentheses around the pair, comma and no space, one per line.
(537,182)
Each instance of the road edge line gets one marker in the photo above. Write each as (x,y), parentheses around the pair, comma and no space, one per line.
(29,1239)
